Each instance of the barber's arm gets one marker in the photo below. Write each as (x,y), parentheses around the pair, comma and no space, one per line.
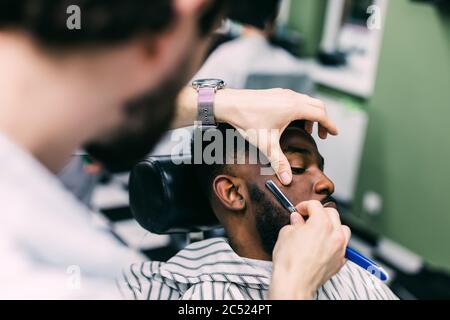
(272,109)
(308,254)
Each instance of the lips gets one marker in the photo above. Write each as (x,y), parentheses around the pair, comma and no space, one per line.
(329,202)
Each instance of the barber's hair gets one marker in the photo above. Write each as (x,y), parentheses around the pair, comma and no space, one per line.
(103,22)
(258,13)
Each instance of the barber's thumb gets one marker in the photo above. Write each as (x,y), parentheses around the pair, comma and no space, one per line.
(281,166)
(296,218)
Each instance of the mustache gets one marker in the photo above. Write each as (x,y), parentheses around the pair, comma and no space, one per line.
(328,199)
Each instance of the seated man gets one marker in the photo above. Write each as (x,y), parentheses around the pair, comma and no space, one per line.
(240,266)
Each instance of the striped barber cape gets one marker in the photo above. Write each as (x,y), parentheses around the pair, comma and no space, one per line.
(211,270)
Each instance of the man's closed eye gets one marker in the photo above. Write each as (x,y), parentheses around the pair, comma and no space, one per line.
(298,170)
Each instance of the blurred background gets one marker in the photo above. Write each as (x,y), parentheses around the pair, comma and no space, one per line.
(383,69)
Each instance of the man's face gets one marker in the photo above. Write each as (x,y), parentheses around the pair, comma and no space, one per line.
(309,183)
(147,116)
(145,120)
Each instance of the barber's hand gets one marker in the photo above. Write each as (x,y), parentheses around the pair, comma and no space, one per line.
(272,110)
(307,254)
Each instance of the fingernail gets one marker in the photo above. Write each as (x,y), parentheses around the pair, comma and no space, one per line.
(285,178)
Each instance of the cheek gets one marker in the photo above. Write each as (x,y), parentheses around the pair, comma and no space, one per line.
(300,190)
(252,174)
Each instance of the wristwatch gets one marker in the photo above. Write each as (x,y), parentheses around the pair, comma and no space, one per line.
(207,89)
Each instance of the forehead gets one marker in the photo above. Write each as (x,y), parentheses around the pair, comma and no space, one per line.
(294,141)
(298,138)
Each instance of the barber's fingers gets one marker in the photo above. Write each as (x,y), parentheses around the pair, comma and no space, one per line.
(268,142)
(323,133)
(309,126)
(296,218)
(325,217)
(334,217)
(322,127)
(281,165)
(347,233)
(310,208)
(277,158)
(316,112)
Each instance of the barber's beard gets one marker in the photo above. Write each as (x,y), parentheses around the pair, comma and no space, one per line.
(269,216)
(147,118)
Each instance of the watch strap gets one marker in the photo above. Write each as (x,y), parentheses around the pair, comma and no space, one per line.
(206,106)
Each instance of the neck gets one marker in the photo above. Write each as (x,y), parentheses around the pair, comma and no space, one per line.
(40,104)
(245,245)
(250,252)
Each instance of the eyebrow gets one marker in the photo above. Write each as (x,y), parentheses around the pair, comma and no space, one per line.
(307,152)
(291,149)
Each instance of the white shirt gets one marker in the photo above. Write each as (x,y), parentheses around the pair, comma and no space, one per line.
(234,61)
(49,247)
(211,270)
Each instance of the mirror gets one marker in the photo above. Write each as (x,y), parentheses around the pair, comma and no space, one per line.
(350,46)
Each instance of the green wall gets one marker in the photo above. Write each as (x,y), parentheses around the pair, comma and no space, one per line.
(307,17)
(407,153)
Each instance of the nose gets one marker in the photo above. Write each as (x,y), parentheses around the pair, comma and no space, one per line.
(323,185)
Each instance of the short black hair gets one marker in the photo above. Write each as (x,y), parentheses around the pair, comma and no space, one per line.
(206,172)
(104,22)
(258,13)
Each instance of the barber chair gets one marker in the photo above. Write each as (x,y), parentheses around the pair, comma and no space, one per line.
(166,198)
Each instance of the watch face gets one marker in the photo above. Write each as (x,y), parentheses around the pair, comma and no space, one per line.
(208,83)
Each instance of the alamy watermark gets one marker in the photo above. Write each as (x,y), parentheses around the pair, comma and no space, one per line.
(227,147)
(374,22)
(73,21)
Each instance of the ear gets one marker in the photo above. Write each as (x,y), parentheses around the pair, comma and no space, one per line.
(231,192)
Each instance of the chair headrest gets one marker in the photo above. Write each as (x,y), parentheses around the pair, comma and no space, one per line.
(165,197)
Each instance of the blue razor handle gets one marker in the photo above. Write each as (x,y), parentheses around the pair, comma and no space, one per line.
(365,263)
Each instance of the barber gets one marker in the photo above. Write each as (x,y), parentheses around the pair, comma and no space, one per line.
(112,88)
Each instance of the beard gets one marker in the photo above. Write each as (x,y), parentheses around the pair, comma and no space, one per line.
(147,118)
(270,218)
